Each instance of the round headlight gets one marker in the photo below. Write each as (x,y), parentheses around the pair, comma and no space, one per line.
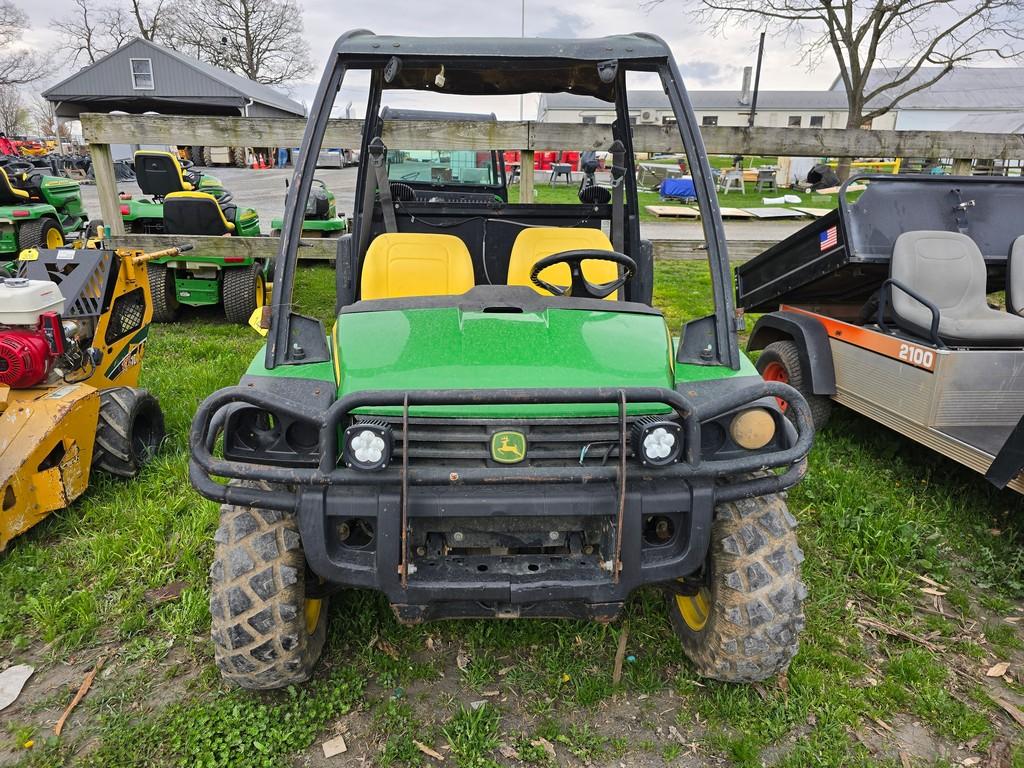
(367,446)
(752,429)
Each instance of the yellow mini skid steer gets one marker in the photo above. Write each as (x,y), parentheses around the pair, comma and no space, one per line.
(73,328)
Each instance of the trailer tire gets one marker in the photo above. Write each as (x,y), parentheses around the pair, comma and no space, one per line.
(129,432)
(266,634)
(164,293)
(244,290)
(238,157)
(745,624)
(780,361)
(41,233)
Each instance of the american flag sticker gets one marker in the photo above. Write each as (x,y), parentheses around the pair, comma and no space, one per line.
(828,239)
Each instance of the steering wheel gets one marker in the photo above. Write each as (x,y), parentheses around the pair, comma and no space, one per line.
(580,287)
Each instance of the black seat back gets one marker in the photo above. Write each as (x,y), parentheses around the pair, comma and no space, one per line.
(159,173)
(194,213)
(9,194)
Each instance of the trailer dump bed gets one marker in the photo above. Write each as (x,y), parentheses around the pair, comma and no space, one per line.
(840,260)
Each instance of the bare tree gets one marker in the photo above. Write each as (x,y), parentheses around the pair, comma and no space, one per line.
(17,66)
(13,115)
(45,115)
(260,39)
(95,30)
(886,50)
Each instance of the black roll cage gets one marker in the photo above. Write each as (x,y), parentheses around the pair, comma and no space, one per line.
(296,339)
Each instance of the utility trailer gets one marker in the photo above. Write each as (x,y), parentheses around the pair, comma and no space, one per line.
(883,306)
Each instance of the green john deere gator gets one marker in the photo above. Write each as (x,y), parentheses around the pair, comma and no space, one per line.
(500,424)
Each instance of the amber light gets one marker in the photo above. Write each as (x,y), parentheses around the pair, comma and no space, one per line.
(752,429)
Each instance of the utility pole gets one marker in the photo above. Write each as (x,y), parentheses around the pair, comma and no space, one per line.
(522,34)
(757,82)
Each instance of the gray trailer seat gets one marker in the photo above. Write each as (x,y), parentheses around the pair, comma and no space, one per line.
(947,269)
(1015,277)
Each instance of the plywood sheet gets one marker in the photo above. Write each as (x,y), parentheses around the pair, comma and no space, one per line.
(775,213)
(815,212)
(673,211)
(736,213)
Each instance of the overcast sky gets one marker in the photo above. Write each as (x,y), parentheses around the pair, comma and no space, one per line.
(707,62)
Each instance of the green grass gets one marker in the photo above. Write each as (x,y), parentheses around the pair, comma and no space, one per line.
(875,510)
(566,194)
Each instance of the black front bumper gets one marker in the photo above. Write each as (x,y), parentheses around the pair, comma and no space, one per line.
(402,504)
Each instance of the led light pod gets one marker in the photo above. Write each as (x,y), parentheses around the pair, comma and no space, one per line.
(657,442)
(368,445)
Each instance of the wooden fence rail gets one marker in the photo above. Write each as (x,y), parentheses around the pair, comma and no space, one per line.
(324,250)
(100,131)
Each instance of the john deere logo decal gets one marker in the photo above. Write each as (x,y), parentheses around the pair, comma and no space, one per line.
(508,447)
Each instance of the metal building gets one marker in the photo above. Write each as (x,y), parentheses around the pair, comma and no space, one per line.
(142,76)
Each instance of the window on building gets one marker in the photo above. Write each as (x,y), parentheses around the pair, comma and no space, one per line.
(709,121)
(794,121)
(142,74)
(668,120)
(817,121)
(590,119)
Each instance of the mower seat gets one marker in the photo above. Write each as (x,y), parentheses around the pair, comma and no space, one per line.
(947,269)
(10,194)
(195,213)
(159,173)
(534,243)
(407,264)
(1015,277)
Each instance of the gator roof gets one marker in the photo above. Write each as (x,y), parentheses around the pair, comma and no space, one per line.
(480,65)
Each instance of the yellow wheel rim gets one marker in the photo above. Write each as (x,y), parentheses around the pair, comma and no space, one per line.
(695,609)
(54,238)
(261,291)
(313,608)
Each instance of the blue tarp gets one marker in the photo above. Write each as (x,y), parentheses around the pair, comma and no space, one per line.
(681,189)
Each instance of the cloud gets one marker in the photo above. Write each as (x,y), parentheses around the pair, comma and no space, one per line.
(706,61)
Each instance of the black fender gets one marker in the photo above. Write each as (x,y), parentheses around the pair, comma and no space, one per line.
(811,340)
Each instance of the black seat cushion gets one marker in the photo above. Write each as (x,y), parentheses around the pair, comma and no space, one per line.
(194,213)
(9,194)
(158,173)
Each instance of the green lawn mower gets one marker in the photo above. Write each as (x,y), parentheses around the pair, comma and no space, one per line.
(182,201)
(36,210)
(321,217)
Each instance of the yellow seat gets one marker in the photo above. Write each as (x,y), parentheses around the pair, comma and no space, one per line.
(411,264)
(10,194)
(534,243)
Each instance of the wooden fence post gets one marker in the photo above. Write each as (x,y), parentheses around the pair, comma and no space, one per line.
(106,186)
(526,176)
(961,166)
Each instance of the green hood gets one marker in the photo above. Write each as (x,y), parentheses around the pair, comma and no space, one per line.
(448,348)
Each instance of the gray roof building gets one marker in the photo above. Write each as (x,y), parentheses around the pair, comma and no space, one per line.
(142,76)
(705,100)
(966,88)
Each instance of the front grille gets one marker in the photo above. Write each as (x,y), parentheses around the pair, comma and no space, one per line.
(467,443)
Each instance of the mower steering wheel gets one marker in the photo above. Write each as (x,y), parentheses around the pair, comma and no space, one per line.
(580,287)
